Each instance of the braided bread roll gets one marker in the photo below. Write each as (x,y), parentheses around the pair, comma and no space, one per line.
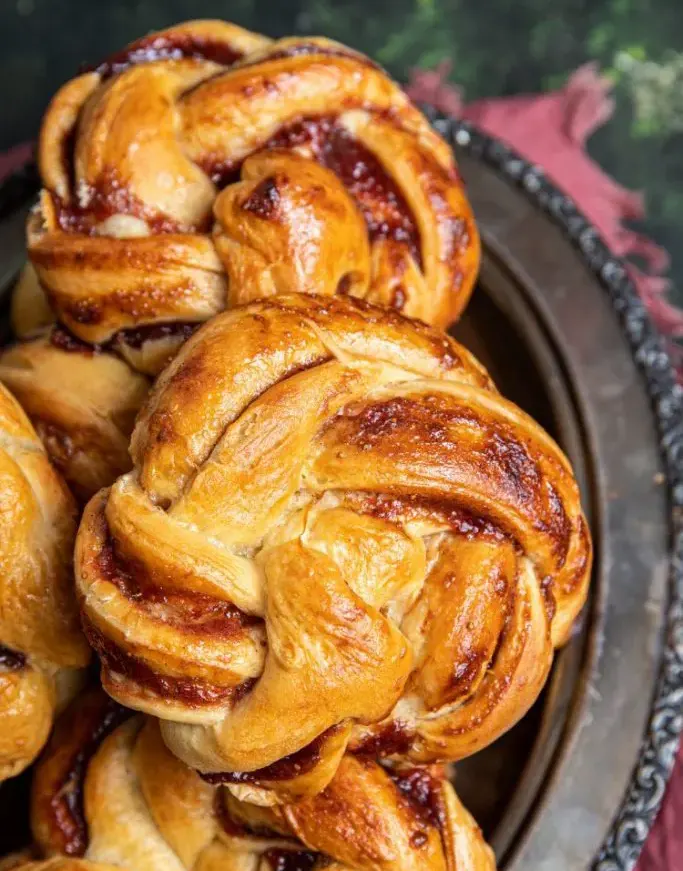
(136,226)
(112,792)
(41,646)
(336,534)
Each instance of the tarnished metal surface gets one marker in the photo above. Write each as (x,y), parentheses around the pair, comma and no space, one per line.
(551,793)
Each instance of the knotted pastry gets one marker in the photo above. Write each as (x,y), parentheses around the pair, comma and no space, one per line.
(143,220)
(336,534)
(113,793)
(82,401)
(41,646)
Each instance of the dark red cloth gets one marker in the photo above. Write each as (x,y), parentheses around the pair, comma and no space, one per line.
(15,158)
(550,130)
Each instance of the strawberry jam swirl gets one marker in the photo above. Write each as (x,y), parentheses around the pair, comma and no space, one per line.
(386,212)
(11,660)
(134,337)
(59,801)
(171,46)
(194,613)
(287,768)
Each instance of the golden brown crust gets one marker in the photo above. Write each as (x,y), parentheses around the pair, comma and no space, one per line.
(40,638)
(289,224)
(146,811)
(26,706)
(81,401)
(58,863)
(336,533)
(158,131)
(30,309)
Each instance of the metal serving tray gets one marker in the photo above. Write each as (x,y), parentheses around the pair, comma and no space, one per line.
(577,783)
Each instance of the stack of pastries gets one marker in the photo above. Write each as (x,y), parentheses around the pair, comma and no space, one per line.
(317,555)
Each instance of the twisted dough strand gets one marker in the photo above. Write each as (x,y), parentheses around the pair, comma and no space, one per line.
(82,403)
(337,533)
(114,793)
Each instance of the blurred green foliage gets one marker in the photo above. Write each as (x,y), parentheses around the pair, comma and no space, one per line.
(497,47)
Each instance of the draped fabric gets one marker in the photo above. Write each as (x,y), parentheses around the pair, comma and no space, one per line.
(551,130)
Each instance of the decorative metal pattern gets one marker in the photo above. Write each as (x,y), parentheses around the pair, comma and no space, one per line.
(658,752)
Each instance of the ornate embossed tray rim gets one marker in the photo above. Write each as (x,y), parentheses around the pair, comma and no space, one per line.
(556,817)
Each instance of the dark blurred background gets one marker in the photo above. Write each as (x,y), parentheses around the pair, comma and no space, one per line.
(497,47)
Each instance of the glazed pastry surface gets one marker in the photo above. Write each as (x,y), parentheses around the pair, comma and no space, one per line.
(109,790)
(336,535)
(42,649)
(82,402)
